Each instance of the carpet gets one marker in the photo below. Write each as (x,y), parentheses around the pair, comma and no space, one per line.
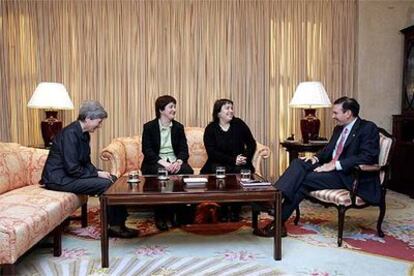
(231,249)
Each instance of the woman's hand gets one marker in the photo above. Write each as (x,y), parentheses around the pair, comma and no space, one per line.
(176,166)
(104,174)
(241,160)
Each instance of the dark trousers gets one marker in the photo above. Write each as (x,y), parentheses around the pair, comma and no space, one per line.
(94,186)
(299,179)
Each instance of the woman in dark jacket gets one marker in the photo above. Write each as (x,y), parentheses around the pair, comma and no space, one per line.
(164,145)
(229,143)
(68,167)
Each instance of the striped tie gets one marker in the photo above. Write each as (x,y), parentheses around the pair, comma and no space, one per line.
(340,146)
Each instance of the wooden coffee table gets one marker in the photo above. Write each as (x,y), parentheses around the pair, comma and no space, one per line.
(151,191)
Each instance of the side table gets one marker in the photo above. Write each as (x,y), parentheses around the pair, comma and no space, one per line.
(294,148)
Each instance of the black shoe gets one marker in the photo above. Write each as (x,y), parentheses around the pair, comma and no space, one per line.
(161,224)
(269,231)
(122,232)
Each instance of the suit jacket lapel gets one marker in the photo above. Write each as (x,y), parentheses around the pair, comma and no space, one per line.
(173,133)
(157,135)
(352,134)
(336,135)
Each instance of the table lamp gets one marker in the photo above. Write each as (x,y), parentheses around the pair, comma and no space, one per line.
(51,97)
(309,96)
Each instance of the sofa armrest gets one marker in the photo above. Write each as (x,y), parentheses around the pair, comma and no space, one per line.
(262,152)
(115,153)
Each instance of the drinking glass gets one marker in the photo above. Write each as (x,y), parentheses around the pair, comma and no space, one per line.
(245,175)
(133,176)
(220,172)
(162,174)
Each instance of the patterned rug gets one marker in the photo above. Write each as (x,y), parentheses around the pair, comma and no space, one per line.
(231,249)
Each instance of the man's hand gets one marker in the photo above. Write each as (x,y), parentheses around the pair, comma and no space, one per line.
(104,174)
(327,167)
(241,160)
(313,159)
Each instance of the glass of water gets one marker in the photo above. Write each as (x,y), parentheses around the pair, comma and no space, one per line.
(162,174)
(245,175)
(133,176)
(220,172)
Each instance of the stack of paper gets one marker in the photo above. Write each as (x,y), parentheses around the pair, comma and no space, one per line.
(195,180)
(251,183)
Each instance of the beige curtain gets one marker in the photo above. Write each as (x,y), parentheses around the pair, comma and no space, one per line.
(126,53)
(309,40)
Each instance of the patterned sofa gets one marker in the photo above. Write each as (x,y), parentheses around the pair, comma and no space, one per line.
(125,154)
(28,212)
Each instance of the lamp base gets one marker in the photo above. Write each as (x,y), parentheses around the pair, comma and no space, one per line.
(309,125)
(50,127)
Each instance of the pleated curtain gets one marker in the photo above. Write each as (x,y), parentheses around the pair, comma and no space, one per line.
(127,53)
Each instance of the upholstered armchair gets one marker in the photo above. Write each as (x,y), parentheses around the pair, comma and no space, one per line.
(343,199)
(125,153)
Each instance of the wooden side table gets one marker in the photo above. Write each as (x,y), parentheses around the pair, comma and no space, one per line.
(294,148)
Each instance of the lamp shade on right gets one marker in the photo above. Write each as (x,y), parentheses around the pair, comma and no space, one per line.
(310,94)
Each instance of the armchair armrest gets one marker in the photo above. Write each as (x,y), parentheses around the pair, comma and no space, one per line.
(356,173)
(369,168)
(262,152)
(115,153)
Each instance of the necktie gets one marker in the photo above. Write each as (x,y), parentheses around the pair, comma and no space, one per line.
(340,146)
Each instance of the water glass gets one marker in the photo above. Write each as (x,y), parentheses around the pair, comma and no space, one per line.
(162,174)
(133,176)
(220,172)
(245,175)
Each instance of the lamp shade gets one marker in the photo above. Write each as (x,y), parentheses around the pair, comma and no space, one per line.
(310,94)
(50,95)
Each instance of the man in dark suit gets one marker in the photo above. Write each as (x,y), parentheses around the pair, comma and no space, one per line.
(354,141)
(164,145)
(68,166)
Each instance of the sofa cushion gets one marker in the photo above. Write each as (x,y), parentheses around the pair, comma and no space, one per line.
(12,170)
(20,166)
(133,153)
(28,214)
(35,161)
(198,154)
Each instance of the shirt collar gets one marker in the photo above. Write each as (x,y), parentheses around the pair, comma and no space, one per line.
(350,125)
(164,127)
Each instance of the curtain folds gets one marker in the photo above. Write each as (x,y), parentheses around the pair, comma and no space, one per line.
(127,53)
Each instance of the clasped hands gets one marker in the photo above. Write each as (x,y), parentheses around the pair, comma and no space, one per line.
(172,168)
(241,160)
(327,167)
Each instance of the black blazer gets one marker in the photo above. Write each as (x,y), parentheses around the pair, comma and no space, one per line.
(222,148)
(361,147)
(69,157)
(151,140)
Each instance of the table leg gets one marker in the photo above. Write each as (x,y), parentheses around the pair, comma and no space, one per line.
(104,232)
(277,247)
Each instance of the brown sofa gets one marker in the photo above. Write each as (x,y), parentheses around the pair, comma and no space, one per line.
(28,211)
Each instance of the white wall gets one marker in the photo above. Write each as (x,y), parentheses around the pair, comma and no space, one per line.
(380,58)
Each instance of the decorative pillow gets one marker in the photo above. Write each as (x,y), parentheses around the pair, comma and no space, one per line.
(12,170)
(196,149)
(36,163)
(134,156)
